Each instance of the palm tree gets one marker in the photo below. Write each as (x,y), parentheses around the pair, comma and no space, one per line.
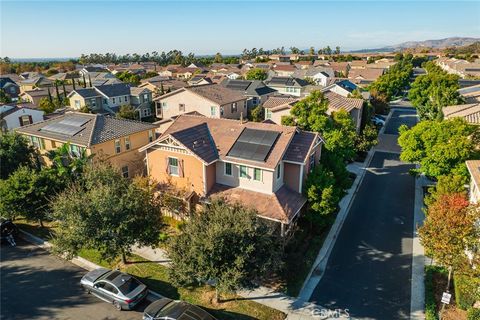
(67,163)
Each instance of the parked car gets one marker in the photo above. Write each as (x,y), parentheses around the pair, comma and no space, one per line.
(165,308)
(379,122)
(115,287)
(8,231)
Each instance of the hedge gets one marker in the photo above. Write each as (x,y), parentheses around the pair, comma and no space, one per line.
(467,291)
(473,314)
(430,306)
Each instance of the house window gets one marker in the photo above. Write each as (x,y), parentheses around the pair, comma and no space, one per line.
(243,172)
(126,98)
(257,174)
(213,111)
(25,120)
(38,143)
(150,135)
(113,100)
(76,150)
(54,144)
(181,107)
(127,143)
(228,169)
(221,111)
(312,162)
(268,114)
(125,171)
(118,148)
(105,101)
(93,102)
(164,105)
(12,90)
(145,97)
(173,166)
(77,104)
(146,112)
(234,107)
(279,171)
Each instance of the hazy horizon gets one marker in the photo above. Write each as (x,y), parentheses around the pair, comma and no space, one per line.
(68,29)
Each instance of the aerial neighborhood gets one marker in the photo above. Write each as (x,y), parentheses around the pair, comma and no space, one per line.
(288,183)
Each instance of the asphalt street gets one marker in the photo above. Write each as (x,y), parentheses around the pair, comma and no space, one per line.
(369,269)
(399,117)
(38,285)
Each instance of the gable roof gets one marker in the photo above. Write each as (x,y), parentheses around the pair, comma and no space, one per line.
(216,93)
(86,92)
(95,128)
(287,82)
(198,140)
(276,103)
(248,87)
(337,102)
(469,112)
(114,90)
(300,146)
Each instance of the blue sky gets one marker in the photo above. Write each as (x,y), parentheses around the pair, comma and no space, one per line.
(70,28)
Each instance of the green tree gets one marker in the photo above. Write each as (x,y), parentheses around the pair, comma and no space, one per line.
(4,98)
(66,164)
(256,74)
(367,139)
(311,112)
(225,243)
(258,114)
(288,121)
(440,147)
(218,57)
(127,112)
(106,212)
(447,184)
(311,51)
(396,79)
(46,105)
(15,151)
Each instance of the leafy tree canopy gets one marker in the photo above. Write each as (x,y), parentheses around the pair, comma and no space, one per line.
(256,74)
(440,147)
(15,151)
(127,112)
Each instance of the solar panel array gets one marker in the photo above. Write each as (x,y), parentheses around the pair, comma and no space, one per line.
(254,144)
(68,126)
(238,85)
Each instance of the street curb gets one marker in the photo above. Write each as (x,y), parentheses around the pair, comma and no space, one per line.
(78,261)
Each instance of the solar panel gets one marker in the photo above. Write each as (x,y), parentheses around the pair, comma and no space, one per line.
(253,144)
(63,129)
(77,121)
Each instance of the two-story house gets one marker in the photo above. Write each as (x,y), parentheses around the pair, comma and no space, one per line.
(261,166)
(211,100)
(289,86)
(105,137)
(109,98)
(15,116)
(255,91)
(9,87)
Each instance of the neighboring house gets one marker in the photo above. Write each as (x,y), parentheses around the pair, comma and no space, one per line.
(345,88)
(106,138)
(322,76)
(199,79)
(109,98)
(159,83)
(284,70)
(340,69)
(469,112)
(255,91)
(10,88)
(261,166)
(186,73)
(278,107)
(34,96)
(470,94)
(212,100)
(364,76)
(35,82)
(473,167)
(92,70)
(13,116)
(287,85)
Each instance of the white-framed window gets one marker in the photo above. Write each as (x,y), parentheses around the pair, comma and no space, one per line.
(145,97)
(125,171)
(279,171)
(113,100)
(181,107)
(228,169)
(213,111)
(222,111)
(25,120)
(312,162)
(77,104)
(257,174)
(268,114)
(243,171)
(127,143)
(118,147)
(234,107)
(37,142)
(150,135)
(173,166)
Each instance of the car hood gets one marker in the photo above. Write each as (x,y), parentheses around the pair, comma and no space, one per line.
(154,308)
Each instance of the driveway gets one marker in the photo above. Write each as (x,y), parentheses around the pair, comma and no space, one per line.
(369,268)
(37,285)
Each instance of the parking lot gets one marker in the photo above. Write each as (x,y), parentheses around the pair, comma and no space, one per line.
(38,285)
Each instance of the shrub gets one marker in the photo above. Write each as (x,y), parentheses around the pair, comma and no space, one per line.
(430,305)
(467,291)
(473,314)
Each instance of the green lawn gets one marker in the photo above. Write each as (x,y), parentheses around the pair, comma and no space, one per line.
(156,277)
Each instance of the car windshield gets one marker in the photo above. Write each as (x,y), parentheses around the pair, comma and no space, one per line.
(166,311)
(129,285)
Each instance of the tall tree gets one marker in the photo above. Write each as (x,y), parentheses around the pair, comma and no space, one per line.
(256,74)
(15,151)
(227,244)
(107,212)
(127,112)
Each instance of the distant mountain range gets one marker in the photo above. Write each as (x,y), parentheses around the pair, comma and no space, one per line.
(436,44)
